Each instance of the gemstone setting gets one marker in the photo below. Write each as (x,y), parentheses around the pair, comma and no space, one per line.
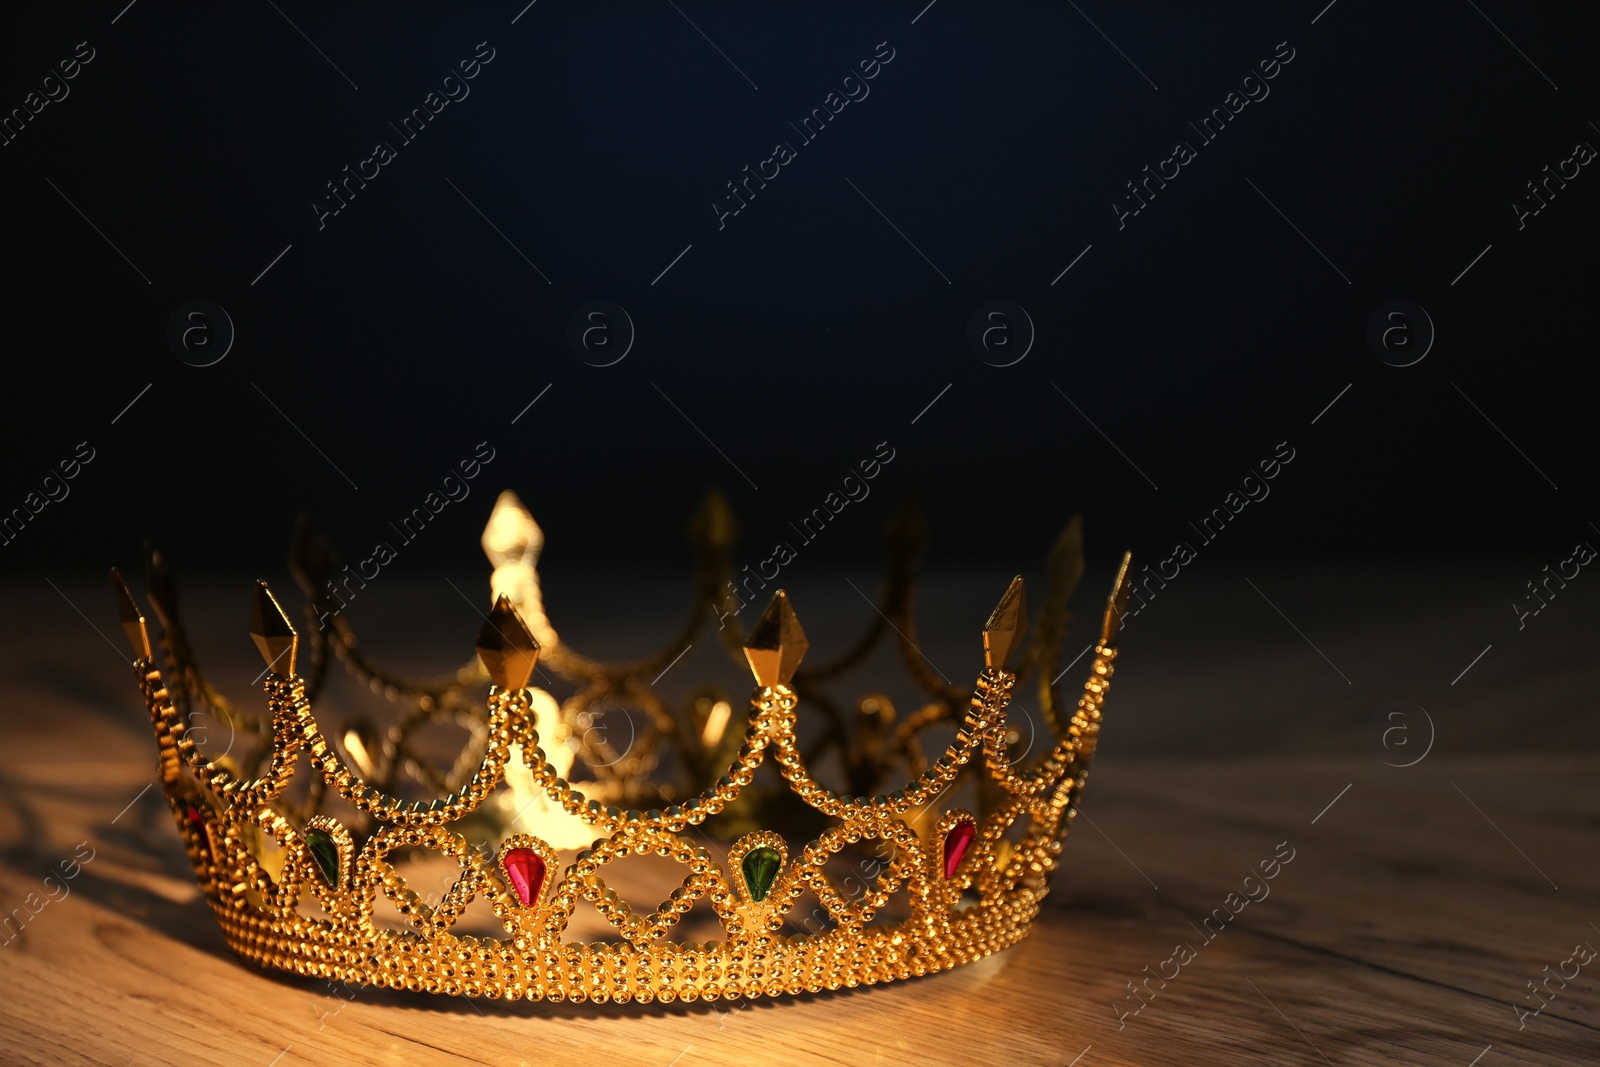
(525,870)
(955,845)
(324,853)
(760,867)
(197,823)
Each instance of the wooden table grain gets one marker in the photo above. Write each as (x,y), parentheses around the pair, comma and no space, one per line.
(1417,908)
(1404,929)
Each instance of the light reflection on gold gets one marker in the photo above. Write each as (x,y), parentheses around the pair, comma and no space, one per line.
(513,541)
(524,805)
(361,747)
(266,849)
(716,723)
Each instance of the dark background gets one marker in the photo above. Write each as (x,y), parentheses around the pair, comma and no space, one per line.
(808,330)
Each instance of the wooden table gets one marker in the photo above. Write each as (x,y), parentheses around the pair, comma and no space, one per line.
(1418,905)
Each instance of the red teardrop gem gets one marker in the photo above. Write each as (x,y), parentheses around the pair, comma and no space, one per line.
(955,845)
(526,871)
(198,825)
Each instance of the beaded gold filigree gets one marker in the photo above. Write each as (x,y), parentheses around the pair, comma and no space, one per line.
(970,886)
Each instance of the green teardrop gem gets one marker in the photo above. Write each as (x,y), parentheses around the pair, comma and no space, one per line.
(324,853)
(761,870)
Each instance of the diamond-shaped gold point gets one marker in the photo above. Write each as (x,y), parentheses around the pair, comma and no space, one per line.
(274,637)
(1117,604)
(1003,632)
(507,647)
(312,560)
(713,524)
(907,532)
(777,644)
(159,587)
(131,617)
(511,534)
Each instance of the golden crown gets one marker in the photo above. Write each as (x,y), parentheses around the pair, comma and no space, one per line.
(954,885)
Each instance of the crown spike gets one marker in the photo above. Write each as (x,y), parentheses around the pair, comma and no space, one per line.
(160,587)
(131,617)
(312,560)
(1066,559)
(1117,603)
(506,646)
(511,535)
(777,644)
(713,526)
(907,532)
(1007,623)
(274,636)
